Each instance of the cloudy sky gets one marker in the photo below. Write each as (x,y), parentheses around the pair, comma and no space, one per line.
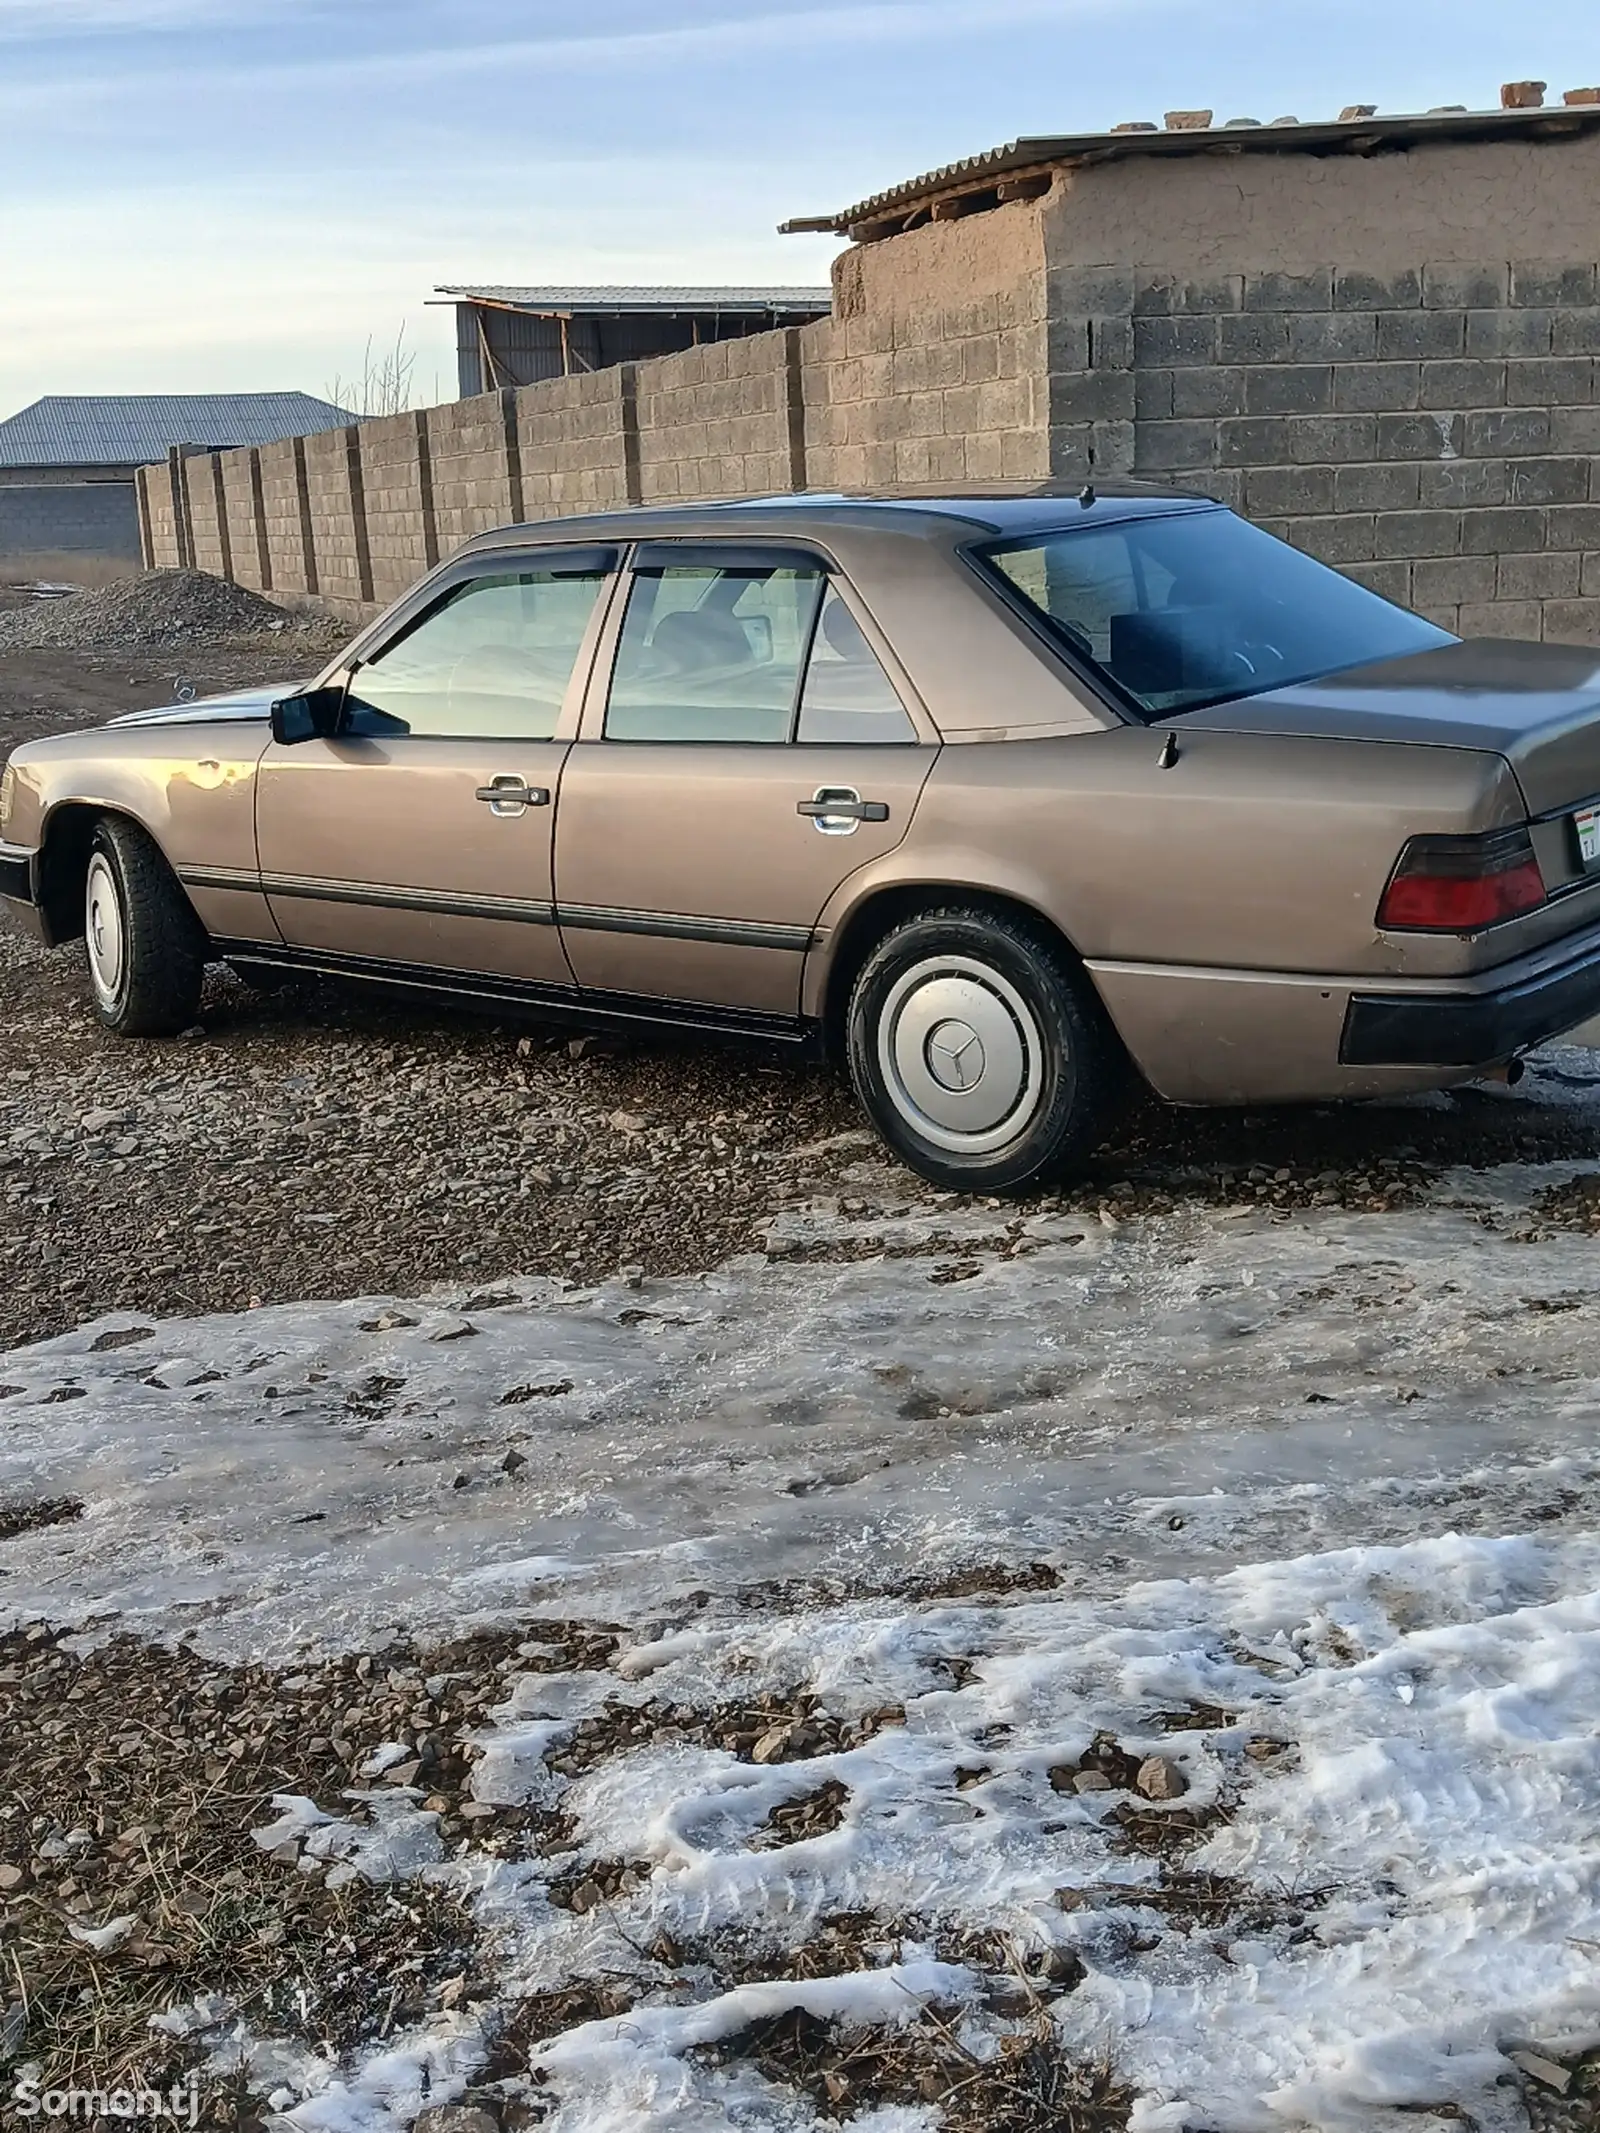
(208,194)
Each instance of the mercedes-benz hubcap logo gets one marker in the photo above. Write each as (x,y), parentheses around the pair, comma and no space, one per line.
(956,1057)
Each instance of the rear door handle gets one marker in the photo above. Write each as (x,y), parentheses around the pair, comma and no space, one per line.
(510,796)
(839,810)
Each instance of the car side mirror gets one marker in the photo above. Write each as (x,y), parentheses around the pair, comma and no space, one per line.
(313,716)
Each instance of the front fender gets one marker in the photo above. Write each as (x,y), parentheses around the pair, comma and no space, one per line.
(196,801)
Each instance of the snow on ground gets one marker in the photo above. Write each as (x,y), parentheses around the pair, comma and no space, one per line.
(1321,1495)
(1173,1393)
(1414,1878)
(1436,1822)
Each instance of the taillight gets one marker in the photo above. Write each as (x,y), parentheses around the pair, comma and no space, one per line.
(1462,884)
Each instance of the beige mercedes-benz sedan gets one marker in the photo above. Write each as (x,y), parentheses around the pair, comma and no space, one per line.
(1005,799)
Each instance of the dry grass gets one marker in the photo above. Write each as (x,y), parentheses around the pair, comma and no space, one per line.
(1029,2085)
(31,1515)
(131,1779)
(814,1814)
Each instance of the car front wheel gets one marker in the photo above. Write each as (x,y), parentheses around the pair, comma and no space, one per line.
(980,1052)
(145,946)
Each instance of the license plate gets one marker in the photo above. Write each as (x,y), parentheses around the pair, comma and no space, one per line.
(1587,823)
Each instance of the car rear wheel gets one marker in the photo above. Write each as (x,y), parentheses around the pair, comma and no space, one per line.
(980,1052)
(146,948)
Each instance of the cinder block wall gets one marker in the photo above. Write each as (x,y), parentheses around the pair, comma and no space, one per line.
(473,485)
(338,533)
(204,525)
(719,420)
(69,518)
(244,544)
(396,470)
(280,489)
(1431,430)
(577,439)
(930,393)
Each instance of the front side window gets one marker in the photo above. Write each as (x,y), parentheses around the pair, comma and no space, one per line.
(711,654)
(491,663)
(1200,607)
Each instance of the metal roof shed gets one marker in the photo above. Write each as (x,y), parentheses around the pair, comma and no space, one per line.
(67,463)
(516,336)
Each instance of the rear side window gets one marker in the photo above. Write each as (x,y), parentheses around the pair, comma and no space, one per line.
(848,699)
(712,654)
(748,652)
(491,663)
(1200,607)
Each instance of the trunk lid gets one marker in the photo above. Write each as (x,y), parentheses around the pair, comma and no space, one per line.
(1538,705)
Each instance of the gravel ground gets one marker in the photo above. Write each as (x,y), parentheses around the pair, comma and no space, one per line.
(323,1143)
(318,1142)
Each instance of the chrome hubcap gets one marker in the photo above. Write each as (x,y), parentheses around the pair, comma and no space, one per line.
(103,930)
(961,1055)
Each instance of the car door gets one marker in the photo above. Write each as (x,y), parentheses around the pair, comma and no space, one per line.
(421,833)
(749,753)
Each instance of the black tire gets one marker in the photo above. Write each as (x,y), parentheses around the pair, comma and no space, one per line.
(147,949)
(958,996)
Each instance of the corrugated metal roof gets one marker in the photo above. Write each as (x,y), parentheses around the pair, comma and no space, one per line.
(133,429)
(1240,136)
(578,301)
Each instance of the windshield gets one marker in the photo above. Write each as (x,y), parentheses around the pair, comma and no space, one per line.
(1200,607)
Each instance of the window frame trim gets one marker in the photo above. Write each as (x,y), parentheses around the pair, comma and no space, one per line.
(655,553)
(439,588)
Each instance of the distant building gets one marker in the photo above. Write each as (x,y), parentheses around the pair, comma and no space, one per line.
(518,336)
(67,463)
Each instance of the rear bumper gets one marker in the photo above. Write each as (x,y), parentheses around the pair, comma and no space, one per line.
(1471,1029)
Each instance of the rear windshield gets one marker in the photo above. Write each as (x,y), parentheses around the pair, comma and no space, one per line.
(1201,607)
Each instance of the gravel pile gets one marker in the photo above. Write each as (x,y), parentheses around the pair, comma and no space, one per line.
(155,609)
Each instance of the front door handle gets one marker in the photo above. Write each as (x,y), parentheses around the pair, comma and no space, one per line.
(510,796)
(839,810)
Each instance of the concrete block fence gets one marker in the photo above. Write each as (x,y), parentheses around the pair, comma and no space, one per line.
(356,515)
(1432,431)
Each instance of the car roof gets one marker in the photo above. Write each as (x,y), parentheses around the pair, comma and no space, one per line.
(996,511)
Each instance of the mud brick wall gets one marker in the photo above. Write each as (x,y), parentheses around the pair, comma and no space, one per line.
(1432,431)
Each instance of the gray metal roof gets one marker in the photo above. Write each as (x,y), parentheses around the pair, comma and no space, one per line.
(1362,136)
(133,429)
(580,302)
